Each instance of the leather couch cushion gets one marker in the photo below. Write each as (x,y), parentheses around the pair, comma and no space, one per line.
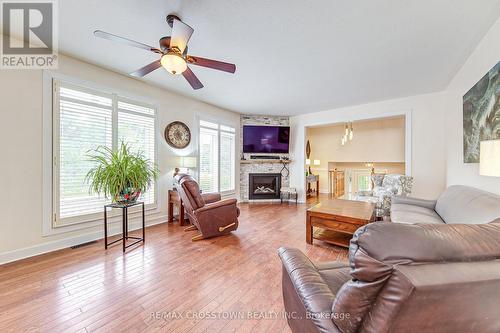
(468,205)
(334,273)
(404,213)
(189,192)
(313,291)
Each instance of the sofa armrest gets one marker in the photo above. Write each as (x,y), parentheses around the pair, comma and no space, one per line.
(313,292)
(211,197)
(430,204)
(217,204)
(425,243)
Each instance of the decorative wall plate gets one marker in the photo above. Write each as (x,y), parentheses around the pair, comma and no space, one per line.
(177,135)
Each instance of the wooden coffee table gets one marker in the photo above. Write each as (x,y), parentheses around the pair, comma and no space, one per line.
(336,220)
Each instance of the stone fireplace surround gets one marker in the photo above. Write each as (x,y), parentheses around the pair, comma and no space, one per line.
(248,166)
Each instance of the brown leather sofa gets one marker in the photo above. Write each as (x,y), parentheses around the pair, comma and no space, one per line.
(400,278)
(207,212)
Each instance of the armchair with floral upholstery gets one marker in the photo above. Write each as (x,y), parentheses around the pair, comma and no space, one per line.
(384,187)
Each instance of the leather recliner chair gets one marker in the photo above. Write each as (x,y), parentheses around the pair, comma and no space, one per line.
(400,278)
(207,212)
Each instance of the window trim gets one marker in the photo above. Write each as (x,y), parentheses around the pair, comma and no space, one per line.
(219,124)
(48,201)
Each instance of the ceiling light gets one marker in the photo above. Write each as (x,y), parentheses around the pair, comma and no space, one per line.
(173,63)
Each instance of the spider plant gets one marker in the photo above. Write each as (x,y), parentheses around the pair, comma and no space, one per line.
(120,174)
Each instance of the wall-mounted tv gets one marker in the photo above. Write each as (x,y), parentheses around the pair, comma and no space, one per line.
(266,139)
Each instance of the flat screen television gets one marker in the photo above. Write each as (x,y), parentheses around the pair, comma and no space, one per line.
(266,139)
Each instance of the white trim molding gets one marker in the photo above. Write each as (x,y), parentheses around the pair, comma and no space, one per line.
(47,247)
(299,125)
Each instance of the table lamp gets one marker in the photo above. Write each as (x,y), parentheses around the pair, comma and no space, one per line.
(188,162)
(184,163)
(308,163)
(489,161)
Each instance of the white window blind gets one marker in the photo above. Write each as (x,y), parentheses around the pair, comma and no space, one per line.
(209,160)
(227,161)
(217,157)
(136,127)
(84,120)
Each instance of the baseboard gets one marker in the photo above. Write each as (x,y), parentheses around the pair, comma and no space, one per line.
(35,250)
(261,200)
(271,201)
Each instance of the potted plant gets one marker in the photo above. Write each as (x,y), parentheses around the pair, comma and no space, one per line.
(120,174)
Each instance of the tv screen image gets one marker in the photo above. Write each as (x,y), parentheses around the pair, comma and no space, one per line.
(266,139)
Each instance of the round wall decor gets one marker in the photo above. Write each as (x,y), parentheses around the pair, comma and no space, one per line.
(177,135)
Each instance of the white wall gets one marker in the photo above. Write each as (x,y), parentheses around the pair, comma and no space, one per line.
(21,159)
(485,56)
(388,135)
(427,149)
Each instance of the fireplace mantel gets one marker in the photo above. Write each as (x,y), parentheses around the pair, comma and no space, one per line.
(265,161)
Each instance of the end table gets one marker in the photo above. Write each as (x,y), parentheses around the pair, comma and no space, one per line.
(125,236)
(174,199)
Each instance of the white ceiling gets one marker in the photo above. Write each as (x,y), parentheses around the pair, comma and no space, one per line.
(292,56)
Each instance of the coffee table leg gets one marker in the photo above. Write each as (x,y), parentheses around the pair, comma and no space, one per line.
(309,229)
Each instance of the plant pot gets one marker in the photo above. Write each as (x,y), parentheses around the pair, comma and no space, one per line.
(127,196)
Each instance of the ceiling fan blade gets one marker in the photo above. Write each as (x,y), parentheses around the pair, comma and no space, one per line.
(123,40)
(147,69)
(181,32)
(192,79)
(214,64)
(164,43)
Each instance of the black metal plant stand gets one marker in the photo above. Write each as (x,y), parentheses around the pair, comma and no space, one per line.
(125,236)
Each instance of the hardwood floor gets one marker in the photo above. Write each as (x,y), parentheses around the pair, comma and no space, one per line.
(89,289)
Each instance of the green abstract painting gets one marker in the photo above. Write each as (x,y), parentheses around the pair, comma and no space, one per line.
(481,107)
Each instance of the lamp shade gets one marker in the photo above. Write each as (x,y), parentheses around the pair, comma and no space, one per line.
(316,162)
(308,161)
(489,161)
(188,162)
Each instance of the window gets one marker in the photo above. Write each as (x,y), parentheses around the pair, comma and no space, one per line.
(364,183)
(361,180)
(83,120)
(217,157)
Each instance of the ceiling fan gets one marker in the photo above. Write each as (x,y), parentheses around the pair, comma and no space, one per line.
(173,51)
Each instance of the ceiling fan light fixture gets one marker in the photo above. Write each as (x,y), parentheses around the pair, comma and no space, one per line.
(173,63)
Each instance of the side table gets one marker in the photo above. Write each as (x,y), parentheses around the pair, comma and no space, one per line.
(125,236)
(312,179)
(174,199)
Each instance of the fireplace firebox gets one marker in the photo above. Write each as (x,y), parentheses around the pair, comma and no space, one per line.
(264,186)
